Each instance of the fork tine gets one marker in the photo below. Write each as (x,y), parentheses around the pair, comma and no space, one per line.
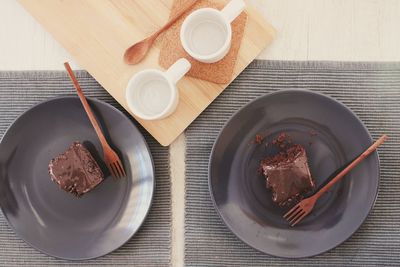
(114,172)
(117,174)
(118,167)
(287,214)
(295,218)
(299,219)
(294,214)
(121,168)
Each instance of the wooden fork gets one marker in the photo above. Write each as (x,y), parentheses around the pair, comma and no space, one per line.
(304,207)
(111,158)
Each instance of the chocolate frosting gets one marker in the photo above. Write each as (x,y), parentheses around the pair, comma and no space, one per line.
(75,170)
(288,174)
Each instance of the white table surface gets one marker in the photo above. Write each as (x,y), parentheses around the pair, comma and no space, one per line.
(346,30)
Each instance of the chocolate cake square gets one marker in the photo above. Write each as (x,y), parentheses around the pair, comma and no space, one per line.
(288,175)
(75,170)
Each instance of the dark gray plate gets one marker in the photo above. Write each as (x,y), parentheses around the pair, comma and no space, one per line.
(239,192)
(56,222)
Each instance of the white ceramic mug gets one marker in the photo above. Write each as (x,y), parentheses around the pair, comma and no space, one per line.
(152,94)
(206,34)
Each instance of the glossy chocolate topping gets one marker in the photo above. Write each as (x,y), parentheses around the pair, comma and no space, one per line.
(288,174)
(75,170)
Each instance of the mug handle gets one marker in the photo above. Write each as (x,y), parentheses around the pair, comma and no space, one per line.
(178,70)
(233,9)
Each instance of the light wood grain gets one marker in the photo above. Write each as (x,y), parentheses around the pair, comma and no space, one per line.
(96,33)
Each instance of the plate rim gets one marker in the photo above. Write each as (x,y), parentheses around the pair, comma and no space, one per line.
(90,100)
(236,113)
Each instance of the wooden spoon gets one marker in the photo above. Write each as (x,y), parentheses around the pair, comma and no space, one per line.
(138,51)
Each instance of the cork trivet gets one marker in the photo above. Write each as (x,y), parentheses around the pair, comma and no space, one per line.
(218,72)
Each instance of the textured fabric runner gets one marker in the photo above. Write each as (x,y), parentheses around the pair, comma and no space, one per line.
(372,91)
(151,244)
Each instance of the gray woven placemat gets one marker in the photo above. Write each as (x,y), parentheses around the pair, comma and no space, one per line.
(151,245)
(372,91)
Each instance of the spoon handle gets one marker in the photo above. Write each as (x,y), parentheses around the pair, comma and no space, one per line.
(185,7)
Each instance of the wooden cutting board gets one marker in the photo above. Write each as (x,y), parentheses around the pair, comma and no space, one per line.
(97,32)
